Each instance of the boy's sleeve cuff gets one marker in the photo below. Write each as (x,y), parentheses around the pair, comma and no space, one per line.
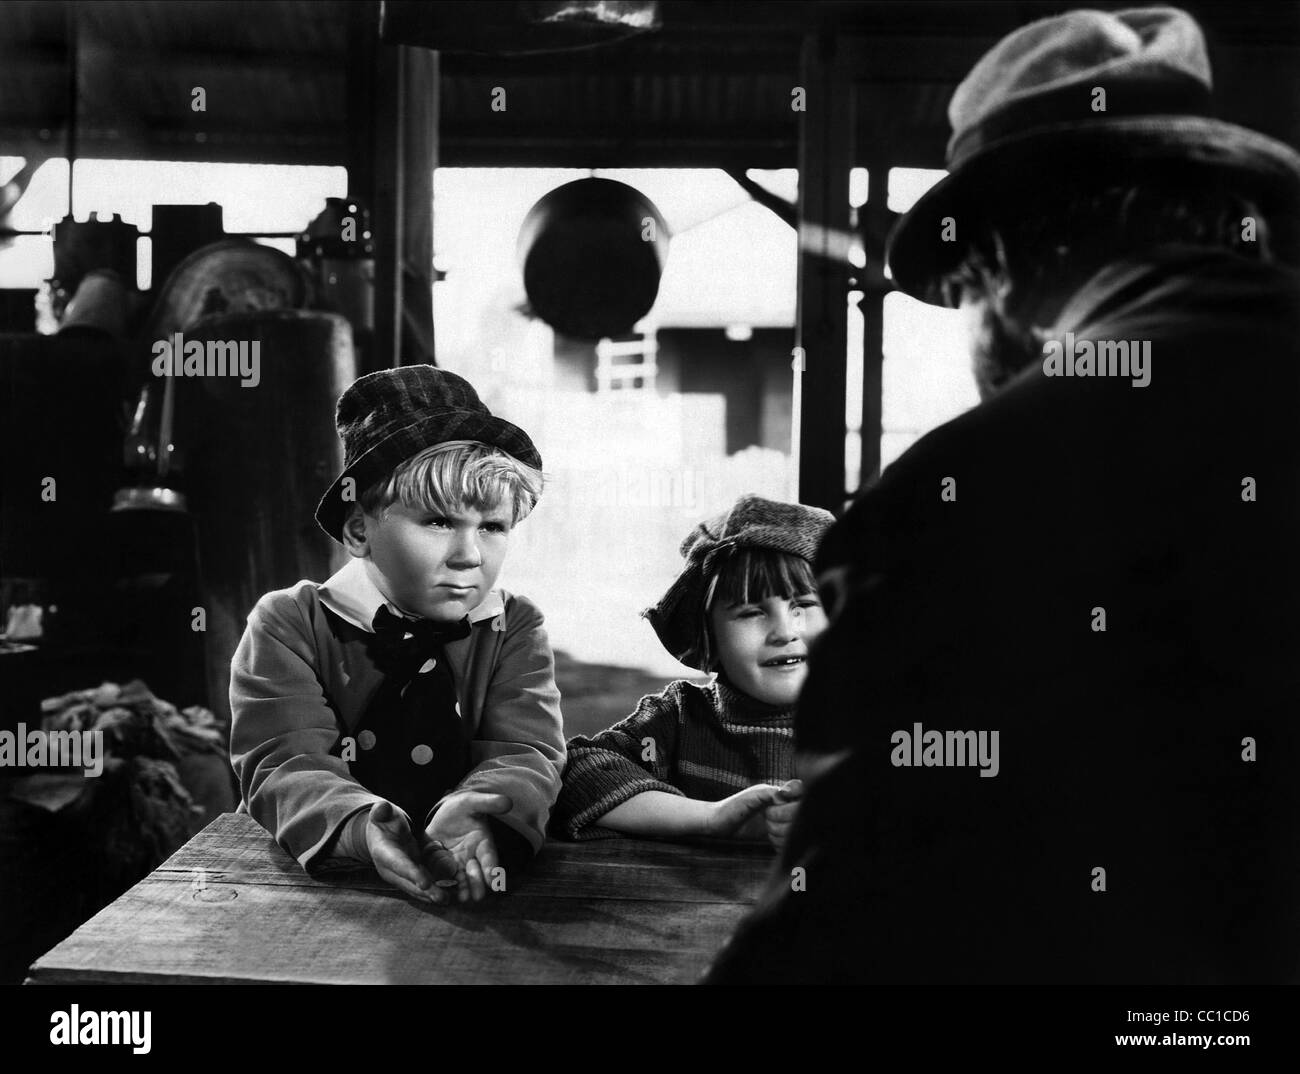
(514,851)
(352,839)
(350,847)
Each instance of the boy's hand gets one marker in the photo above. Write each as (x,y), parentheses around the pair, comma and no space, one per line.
(461,826)
(780,815)
(742,815)
(397,857)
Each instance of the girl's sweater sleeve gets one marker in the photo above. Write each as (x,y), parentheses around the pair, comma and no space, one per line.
(607,769)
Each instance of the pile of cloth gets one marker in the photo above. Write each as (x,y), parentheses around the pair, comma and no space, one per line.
(138,810)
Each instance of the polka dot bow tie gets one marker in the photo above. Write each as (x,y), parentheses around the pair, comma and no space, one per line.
(401,641)
(413,745)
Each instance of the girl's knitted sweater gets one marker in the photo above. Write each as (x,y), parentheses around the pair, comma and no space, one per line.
(703,742)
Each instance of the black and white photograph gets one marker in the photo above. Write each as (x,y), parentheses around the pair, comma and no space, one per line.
(668,493)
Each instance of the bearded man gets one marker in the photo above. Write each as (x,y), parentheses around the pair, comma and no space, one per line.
(1098,562)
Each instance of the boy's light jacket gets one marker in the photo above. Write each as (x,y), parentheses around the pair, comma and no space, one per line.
(301,679)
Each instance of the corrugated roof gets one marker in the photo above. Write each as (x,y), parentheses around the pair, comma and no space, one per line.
(712,87)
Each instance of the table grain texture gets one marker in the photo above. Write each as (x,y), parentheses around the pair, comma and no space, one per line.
(231,907)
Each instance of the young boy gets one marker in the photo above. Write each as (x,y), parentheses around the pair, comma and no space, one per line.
(714,760)
(404,714)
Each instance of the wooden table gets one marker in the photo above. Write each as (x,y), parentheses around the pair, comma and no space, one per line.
(232,907)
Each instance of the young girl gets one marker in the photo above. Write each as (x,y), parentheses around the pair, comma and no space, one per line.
(713,760)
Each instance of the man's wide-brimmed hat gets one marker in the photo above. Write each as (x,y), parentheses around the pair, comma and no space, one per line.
(388,417)
(1030,115)
(753,522)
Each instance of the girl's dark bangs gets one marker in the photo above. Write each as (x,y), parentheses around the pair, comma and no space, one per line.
(754,574)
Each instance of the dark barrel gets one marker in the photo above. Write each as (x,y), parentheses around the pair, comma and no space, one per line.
(261,458)
(592,252)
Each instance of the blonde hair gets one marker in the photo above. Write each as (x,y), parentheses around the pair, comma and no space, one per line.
(458,473)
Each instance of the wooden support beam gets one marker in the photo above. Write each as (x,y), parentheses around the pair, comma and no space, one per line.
(360,158)
(465,145)
(387,204)
(874,215)
(47,58)
(420,157)
(825,156)
(392,151)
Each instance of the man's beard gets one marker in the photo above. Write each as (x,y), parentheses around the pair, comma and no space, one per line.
(1000,348)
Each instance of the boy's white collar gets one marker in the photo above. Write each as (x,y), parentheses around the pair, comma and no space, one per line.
(349,592)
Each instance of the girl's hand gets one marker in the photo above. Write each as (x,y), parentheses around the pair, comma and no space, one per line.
(742,815)
(779,816)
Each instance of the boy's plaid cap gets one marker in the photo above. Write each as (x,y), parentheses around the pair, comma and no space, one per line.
(387,417)
(753,522)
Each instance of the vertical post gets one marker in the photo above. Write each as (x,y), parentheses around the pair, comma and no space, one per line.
(362,90)
(825,156)
(74,62)
(874,288)
(389,203)
(392,151)
(420,157)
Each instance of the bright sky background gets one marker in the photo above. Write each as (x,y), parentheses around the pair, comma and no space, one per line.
(731,262)
(254,197)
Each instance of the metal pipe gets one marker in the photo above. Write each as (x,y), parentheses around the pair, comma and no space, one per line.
(72,97)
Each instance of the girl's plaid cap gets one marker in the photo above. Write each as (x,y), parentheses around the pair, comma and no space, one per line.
(678,618)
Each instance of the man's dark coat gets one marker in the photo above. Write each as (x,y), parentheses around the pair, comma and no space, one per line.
(1161,750)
